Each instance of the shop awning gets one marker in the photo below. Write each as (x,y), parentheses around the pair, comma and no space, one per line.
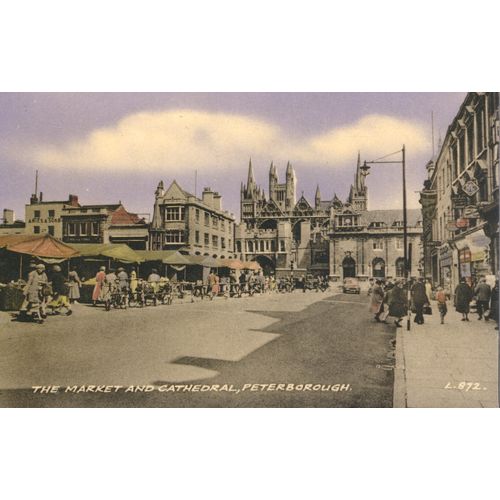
(43,246)
(157,255)
(120,252)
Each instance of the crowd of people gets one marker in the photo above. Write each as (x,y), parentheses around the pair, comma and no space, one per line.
(395,299)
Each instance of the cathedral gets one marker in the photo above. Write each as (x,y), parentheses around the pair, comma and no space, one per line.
(328,237)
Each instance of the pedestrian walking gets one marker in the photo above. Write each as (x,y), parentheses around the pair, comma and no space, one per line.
(441,303)
(377,300)
(154,280)
(60,292)
(33,294)
(74,284)
(419,299)
(462,299)
(483,296)
(398,303)
(428,290)
(133,282)
(100,278)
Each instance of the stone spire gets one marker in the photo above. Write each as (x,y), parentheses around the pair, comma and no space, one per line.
(317,197)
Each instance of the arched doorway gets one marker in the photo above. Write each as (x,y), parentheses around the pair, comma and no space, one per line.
(349,267)
(378,268)
(267,264)
(400,267)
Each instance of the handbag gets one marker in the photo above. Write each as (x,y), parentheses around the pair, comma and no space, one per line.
(427,310)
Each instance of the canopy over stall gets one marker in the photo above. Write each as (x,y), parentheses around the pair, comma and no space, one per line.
(43,246)
(120,252)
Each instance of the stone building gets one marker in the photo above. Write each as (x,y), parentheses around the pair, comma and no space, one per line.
(104,224)
(329,237)
(45,216)
(460,196)
(181,221)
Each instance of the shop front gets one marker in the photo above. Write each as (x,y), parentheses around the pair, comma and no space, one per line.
(473,255)
(445,267)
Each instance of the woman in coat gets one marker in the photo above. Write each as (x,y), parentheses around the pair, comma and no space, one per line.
(463,297)
(377,299)
(398,303)
(100,277)
(74,284)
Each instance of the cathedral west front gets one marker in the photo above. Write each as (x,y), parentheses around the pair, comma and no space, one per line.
(286,235)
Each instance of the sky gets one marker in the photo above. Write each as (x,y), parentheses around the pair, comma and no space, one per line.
(110,147)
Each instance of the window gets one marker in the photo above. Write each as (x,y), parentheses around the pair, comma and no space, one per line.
(282,245)
(96,210)
(229,244)
(399,244)
(480,131)
(261,246)
(215,241)
(52,214)
(206,239)
(461,152)
(174,236)
(36,229)
(215,222)
(51,230)
(470,141)
(174,213)
(95,228)
(273,245)
(250,246)
(36,214)
(71,229)
(223,242)
(238,246)
(222,225)
(378,245)
(197,215)
(207,219)
(83,229)
(197,237)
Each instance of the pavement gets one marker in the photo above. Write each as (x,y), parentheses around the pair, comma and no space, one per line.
(280,350)
(454,365)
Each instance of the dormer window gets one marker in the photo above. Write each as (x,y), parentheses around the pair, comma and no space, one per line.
(398,223)
(377,224)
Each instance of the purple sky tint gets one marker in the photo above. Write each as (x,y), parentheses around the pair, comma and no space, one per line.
(34,121)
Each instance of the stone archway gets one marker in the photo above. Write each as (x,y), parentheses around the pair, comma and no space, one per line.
(267,263)
(378,267)
(349,267)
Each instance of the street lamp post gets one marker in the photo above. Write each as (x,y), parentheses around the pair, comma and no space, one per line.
(365,169)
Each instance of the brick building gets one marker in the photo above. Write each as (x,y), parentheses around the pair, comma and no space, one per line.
(181,221)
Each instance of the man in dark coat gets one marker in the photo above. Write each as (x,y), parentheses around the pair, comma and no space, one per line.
(463,296)
(420,299)
(483,294)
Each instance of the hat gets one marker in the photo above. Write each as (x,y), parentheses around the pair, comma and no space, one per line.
(40,267)
(102,268)
(56,268)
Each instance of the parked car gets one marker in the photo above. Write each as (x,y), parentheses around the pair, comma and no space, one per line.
(351,285)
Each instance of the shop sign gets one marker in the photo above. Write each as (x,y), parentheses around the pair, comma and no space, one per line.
(459,201)
(470,212)
(470,188)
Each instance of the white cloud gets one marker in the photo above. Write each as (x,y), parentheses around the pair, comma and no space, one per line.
(176,140)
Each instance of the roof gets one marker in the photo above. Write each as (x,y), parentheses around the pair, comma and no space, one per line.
(388,217)
(120,252)
(121,217)
(38,245)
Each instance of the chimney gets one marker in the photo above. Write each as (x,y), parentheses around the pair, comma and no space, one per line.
(8,216)
(73,200)
(208,197)
(41,197)
(217,203)
(33,199)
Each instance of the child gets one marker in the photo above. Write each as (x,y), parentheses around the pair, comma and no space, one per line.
(441,301)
